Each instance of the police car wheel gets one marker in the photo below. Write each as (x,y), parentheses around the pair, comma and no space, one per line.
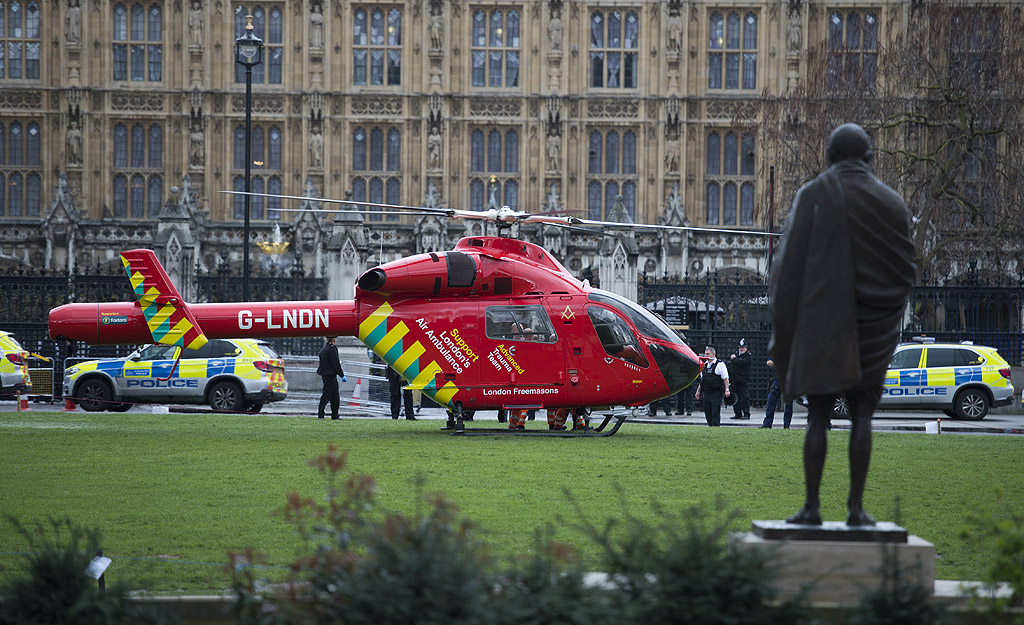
(971,404)
(94,395)
(226,397)
(841,408)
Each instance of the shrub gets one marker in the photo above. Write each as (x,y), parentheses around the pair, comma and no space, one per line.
(550,586)
(1002,534)
(56,589)
(368,567)
(684,569)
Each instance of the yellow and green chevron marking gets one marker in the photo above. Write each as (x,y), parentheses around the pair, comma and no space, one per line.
(168,323)
(391,346)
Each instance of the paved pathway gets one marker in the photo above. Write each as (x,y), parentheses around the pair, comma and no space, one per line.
(305,404)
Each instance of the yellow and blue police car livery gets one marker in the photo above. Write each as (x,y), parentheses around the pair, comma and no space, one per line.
(229,375)
(962,380)
(14,375)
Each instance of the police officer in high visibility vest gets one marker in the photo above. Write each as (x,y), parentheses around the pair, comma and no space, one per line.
(714,385)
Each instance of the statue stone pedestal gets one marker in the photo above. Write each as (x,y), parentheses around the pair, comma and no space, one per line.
(839,562)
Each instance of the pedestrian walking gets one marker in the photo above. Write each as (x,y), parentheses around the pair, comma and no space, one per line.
(774,397)
(329,370)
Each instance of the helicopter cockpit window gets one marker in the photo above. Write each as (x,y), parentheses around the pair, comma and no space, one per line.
(615,335)
(519,323)
(645,321)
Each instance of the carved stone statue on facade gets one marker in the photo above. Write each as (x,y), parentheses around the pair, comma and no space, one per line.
(73,22)
(554,201)
(436,31)
(197,151)
(434,149)
(63,193)
(672,155)
(675,31)
(74,144)
(316,28)
(316,145)
(195,25)
(675,202)
(554,152)
(794,39)
(431,199)
(555,31)
(188,196)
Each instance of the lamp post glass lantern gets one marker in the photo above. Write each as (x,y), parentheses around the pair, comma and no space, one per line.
(248,53)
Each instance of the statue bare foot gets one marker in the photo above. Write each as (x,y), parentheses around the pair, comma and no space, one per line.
(808,515)
(858,517)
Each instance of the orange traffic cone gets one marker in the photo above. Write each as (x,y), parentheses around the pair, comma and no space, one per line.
(356,393)
(22,403)
(69,405)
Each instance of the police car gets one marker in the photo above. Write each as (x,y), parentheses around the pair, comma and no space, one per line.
(960,379)
(231,375)
(14,376)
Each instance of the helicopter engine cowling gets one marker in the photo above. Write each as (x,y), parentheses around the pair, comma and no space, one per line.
(478,266)
(423,275)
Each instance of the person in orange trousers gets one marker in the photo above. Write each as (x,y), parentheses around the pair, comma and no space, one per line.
(558,416)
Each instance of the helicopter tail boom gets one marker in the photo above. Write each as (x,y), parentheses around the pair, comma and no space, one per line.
(122,323)
(160,315)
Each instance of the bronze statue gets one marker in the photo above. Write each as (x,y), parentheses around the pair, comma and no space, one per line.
(839,287)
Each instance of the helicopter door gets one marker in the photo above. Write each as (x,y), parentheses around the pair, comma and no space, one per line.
(574,331)
(523,355)
(622,362)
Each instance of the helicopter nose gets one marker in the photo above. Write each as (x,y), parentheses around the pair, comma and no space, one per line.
(677,362)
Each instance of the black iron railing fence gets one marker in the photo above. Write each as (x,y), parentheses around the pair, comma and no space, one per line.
(721,309)
(28,295)
(716,309)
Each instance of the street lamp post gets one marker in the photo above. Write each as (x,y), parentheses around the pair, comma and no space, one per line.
(248,52)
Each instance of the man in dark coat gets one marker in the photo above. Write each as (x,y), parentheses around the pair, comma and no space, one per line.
(739,375)
(329,369)
(839,287)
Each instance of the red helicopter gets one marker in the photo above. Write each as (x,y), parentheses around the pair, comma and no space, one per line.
(496,323)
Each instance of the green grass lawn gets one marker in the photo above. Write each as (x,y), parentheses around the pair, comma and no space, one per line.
(172,494)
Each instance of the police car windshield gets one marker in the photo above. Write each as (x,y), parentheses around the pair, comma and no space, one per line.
(645,321)
(158,352)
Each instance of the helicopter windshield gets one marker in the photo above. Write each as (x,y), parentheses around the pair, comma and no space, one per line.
(644,320)
(615,335)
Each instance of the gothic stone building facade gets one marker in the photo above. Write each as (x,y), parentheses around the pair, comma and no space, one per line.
(121,121)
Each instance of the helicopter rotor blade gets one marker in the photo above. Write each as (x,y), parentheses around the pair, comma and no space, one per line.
(393,213)
(620,224)
(503,217)
(590,231)
(419,209)
(549,219)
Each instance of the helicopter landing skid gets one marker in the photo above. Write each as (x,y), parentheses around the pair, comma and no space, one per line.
(585,432)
